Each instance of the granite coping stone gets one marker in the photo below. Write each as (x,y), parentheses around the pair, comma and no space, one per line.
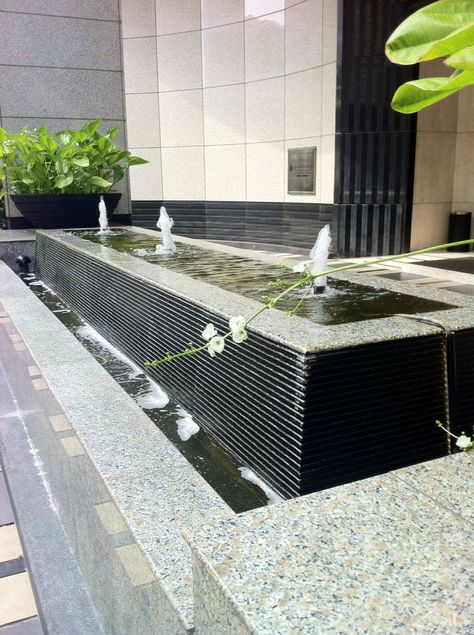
(15,235)
(154,486)
(298,333)
(374,556)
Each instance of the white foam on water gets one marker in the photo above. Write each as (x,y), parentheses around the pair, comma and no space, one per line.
(39,283)
(271,495)
(155,396)
(90,334)
(142,252)
(187,427)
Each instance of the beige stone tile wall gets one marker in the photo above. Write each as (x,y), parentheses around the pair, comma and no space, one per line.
(216,93)
(444,164)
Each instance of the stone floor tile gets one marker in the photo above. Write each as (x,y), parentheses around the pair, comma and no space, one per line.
(73,446)
(10,546)
(31,626)
(467,289)
(110,517)
(16,598)
(33,371)
(6,513)
(39,384)
(12,567)
(135,565)
(60,423)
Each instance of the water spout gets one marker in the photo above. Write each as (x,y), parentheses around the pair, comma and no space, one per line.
(103,221)
(319,255)
(164,224)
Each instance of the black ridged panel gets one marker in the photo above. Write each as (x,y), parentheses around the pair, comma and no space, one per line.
(226,221)
(375,146)
(375,230)
(373,408)
(225,394)
(189,216)
(288,224)
(462,411)
(375,168)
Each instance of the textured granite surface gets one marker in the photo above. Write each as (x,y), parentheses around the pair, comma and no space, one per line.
(375,556)
(299,333)
(156,489)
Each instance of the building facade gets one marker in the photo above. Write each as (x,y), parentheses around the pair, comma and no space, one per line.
(262,120)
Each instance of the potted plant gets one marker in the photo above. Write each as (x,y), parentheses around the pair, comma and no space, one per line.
(56,179)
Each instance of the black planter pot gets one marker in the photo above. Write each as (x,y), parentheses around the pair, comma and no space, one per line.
(57,211)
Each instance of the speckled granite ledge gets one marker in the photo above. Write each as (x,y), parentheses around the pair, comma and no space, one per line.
(157,491)
(299,333)
(390,554)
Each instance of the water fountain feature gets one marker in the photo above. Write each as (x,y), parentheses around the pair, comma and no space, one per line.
(103,220)
(164,224)
(319,255)
(292,402)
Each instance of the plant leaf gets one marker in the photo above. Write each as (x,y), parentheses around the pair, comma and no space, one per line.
(91,127)
(82,162)
(63,181)
(463,59)
(437,30)
(113,132)
(133,160)
(416,95)
(97,180)
(63,137)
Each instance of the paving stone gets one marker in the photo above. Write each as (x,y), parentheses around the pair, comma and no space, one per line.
(16,598)
(25,627)
(10,546)
(6,512)
(12,567)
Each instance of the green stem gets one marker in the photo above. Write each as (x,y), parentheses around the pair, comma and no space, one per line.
(440,425)
(169,358)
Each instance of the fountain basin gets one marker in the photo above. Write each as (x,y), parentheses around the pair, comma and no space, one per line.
(307,406)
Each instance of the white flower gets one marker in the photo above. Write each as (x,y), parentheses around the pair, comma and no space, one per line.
(209,331)
(237,327)
(237,322)
(239,335)
(216,345)
(463,441)
(301,267)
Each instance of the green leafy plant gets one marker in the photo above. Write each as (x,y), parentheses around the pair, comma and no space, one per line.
(66,162)
(443,29)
